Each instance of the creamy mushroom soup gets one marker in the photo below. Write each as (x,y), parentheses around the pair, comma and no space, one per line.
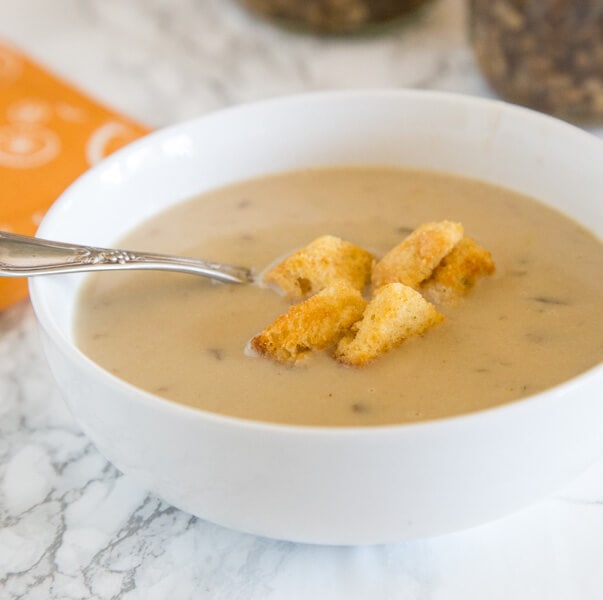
(535,323)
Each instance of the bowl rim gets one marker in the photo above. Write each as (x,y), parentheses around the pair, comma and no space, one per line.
(512,408)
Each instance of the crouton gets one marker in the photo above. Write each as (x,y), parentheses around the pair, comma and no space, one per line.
(413,260)
(318,265)
(396,313)
(315,324)
(458,272)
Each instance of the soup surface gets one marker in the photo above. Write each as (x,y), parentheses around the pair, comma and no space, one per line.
(534,323)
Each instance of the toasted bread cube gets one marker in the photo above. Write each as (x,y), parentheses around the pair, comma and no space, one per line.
(458,272)
(318,265)
(414,259)
(396,313)
(315,324)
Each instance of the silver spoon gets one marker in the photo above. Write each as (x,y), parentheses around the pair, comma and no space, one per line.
(24,256)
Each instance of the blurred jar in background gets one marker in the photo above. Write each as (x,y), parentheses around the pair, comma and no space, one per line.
(546,54)
(332,16)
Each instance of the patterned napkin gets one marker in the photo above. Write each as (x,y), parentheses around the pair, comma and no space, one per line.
(49,134)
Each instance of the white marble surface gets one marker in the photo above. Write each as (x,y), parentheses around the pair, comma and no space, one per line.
(71,526)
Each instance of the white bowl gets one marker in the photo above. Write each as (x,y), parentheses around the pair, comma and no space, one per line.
(313,484)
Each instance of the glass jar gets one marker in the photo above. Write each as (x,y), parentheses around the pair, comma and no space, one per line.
(332,16)
(545,54)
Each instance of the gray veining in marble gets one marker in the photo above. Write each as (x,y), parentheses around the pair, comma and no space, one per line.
(71,526)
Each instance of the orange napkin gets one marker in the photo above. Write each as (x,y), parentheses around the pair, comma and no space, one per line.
(49,134)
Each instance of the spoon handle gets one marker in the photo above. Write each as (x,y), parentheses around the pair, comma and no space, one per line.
(24,256)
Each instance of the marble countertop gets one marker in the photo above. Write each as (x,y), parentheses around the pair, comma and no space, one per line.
(73,527)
